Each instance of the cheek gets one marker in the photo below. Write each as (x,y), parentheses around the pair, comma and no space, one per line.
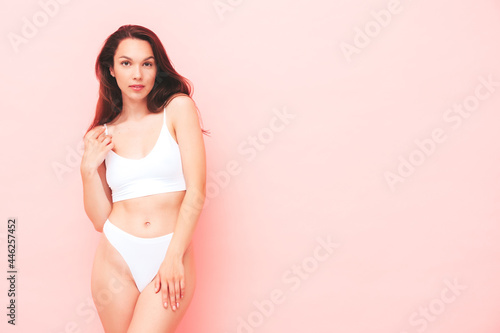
(152,74)
(118,76)
(121,82)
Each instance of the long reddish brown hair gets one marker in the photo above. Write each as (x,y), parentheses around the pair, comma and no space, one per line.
(167,82)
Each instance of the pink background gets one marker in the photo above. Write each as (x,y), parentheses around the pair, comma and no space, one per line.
(420,256)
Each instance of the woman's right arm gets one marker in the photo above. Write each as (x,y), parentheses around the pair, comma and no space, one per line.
(96,192)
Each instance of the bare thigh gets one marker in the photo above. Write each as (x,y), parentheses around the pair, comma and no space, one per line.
(150,315)
(113,289)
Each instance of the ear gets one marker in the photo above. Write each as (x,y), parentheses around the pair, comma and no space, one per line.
(112,71)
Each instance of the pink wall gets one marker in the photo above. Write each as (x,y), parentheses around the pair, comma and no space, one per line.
(302,232)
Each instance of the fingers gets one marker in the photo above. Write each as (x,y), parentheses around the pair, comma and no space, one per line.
(164,287)
(177,293)
(157,284)
(96,132)
(172,292)
(104,136)
(172,286)
(164,295)
(183,288)
(107,140)
(101,136)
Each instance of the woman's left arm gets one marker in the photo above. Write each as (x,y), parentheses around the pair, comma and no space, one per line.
(170,277)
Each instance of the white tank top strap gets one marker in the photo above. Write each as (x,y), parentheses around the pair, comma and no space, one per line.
(106,131)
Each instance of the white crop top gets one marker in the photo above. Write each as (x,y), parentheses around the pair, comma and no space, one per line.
(159,171)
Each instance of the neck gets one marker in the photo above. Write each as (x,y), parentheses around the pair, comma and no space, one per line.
(134,110)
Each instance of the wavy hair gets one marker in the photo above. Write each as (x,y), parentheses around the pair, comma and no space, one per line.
(167,81)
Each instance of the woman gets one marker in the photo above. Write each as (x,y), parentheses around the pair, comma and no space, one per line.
(143,172)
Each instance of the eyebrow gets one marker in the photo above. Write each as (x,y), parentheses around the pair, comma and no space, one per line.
(131,58)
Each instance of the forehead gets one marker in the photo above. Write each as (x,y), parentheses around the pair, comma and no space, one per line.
(134,48)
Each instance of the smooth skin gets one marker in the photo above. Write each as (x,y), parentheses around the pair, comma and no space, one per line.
(133,134)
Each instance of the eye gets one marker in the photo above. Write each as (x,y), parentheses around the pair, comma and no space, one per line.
(149,63)
(124,62)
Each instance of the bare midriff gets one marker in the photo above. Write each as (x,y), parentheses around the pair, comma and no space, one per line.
(149,216)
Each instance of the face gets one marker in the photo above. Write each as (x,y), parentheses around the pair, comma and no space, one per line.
(134,65)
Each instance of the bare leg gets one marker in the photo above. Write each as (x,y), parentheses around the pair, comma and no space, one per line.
(150,315)
(113,289)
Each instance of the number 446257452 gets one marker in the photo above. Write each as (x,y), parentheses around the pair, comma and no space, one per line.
(11,240)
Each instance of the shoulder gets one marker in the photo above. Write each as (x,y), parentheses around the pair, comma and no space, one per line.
(181,100)
(181,106)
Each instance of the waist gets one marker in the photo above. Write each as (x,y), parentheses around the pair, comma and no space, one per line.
(148,216)
(146,187)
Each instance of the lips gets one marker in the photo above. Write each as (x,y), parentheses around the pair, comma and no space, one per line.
(137,87)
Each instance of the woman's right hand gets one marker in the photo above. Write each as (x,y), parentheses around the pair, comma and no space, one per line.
(97,145)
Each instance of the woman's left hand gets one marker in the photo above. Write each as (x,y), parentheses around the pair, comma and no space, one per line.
(170,280)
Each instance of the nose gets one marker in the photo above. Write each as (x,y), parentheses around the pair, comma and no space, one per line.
(137,72)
